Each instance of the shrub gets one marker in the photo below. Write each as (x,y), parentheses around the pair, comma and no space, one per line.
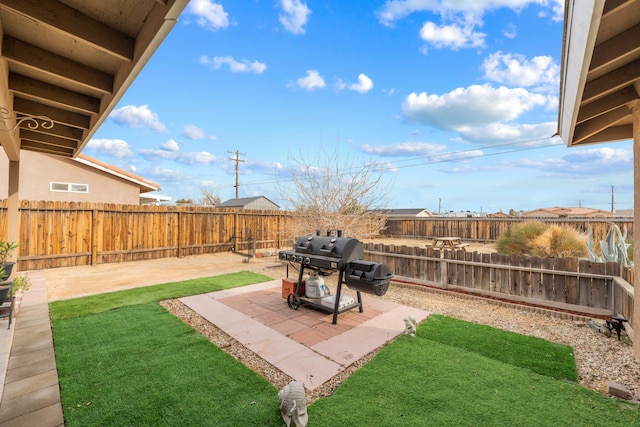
(517,240)
(536,238)
(557,241)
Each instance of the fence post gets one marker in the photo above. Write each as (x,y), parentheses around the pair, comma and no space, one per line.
(94,237)
(444,276)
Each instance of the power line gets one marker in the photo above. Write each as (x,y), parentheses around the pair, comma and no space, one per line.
(437,158)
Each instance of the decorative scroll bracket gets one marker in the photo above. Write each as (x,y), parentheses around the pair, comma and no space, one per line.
(32,122)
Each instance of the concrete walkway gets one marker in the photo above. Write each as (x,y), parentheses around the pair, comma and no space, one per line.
(30,394)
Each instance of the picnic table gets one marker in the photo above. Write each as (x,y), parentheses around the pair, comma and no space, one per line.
(449,243)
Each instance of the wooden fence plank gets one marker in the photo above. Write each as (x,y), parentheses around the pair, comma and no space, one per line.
(571,282)
(559,281)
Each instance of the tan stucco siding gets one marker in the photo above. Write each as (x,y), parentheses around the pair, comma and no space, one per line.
(37,171)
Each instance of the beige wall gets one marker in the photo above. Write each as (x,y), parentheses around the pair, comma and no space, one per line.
(37,171)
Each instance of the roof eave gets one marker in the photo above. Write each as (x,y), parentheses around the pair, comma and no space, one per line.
(579,38)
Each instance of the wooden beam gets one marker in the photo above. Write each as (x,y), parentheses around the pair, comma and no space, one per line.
(611,82)
(614,133)
(28,134)
(31,108)
(636,221)
(599,123)
(60,131)
(612,6)
(9,141)
(49,149)
(606,104)
(616,48)
(17,51)
(67,20)
(27,86)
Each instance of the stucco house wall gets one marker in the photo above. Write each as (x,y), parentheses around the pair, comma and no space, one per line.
(38,171)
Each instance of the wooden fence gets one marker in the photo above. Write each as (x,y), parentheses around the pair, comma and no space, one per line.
(61,234)
(490,229)
(568,284)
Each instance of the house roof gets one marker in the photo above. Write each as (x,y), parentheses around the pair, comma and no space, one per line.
(71,61)
(600,74)
(144,184)
(242,202)
(402,212)
(571,211)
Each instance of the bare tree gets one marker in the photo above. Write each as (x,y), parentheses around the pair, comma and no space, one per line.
(208,198)
(333,192)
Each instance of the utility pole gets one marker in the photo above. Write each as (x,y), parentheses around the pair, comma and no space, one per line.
(612,209)
(237,159)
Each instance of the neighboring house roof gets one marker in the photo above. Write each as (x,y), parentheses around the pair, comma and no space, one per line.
(567,212)
(499,214)
(259,202)
(410,212)
(144,184)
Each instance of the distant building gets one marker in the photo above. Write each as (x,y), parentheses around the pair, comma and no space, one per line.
(260,203)
(623,213)
(406,213)
(463,214)
(499,214)
(557,212)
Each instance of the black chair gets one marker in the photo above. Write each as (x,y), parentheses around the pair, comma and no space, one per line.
(6,300)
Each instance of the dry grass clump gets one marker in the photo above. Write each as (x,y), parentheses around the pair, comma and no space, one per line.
(557,241)
(536,238)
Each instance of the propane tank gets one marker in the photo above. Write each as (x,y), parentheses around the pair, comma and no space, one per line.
(314,286)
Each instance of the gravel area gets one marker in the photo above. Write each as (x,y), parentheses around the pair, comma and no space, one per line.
(599,358)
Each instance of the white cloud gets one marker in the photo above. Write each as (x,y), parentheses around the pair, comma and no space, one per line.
(588,162)
(409,148)
(171,145)
(201,157)
(116,148)
(510,31)
(516,70)
(472,106)
(495,133)
(165,174)
(294,16)
(267,168)
(152,154)
(170,152)
(394,10)
(243,66)
(452,36)
(312,81)
(137,117)
(208,14)
(364,85)
(195,133)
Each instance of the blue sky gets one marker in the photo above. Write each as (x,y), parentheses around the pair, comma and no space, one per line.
(455,101)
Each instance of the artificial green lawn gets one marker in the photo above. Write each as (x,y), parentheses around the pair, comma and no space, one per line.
(139,365)
(107,301)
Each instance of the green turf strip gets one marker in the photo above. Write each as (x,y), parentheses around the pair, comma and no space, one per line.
(541,356)
(79,307)
(421,382)
(140,366)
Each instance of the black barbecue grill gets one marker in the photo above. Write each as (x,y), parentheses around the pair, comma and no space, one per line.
(329,254)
